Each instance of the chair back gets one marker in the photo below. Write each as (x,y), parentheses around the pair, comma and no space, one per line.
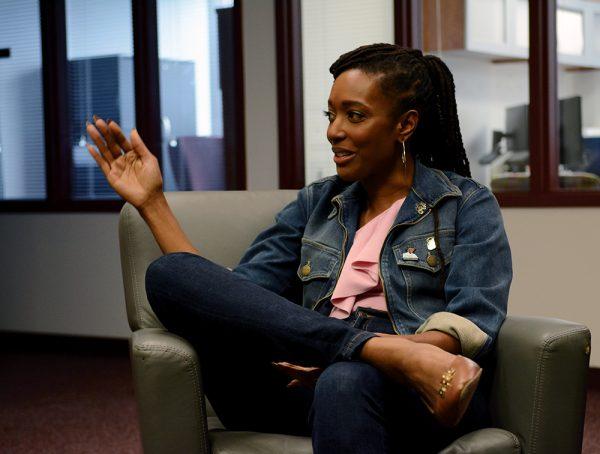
(220,224)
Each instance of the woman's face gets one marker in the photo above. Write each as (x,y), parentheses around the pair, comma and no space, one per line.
(363,132)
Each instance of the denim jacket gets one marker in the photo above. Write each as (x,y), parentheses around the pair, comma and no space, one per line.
(302,254)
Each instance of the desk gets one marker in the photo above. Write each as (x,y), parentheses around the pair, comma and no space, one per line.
(519,181)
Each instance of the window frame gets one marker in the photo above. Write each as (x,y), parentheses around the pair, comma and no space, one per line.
(146,80)
(543,114)
(288,32)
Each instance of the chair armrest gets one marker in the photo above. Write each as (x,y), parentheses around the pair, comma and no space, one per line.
(488,441)
(168,388)
(540,381)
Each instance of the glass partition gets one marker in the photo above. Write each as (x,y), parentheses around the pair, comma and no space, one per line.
(578,48)
(196,72)
(100,81)
(485,45)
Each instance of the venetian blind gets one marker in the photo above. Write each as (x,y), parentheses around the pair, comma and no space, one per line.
(329,29)
(22,148)
(100,81)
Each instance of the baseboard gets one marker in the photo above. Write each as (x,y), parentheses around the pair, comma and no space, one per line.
(594,378)
(18,342)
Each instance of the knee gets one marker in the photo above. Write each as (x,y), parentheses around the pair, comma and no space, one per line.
(160,277)
(348,381)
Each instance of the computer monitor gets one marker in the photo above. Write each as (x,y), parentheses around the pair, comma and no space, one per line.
(571,143)
(517,128)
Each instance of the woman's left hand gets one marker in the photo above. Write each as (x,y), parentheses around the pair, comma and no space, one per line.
(301,375)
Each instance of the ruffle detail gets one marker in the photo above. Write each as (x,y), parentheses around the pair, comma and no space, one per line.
(359,283)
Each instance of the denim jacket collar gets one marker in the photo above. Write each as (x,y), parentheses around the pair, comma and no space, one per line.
(429,187)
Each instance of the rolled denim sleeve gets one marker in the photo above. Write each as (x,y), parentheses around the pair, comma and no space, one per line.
(272,259)
(479,276)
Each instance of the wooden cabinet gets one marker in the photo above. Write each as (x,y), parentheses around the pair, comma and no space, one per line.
(499,29)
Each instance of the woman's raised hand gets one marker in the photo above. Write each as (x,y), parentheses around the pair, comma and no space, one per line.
(131,170)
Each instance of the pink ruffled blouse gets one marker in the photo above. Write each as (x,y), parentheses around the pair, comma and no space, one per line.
(359,284)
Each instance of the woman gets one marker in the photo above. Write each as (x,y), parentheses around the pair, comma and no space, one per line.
(371,291)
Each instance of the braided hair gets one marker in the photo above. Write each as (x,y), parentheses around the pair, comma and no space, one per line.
(423,83)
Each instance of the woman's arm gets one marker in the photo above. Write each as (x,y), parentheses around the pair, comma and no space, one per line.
(165,227)
(133,172)
(439,339)
(479,277)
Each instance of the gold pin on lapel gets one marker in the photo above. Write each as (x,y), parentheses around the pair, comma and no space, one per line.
(432,260)
(421,207)
(306,269)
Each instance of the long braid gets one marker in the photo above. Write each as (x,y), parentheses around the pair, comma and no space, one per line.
(423,83)
(448,112)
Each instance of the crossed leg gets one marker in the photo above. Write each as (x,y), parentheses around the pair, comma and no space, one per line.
(239,328)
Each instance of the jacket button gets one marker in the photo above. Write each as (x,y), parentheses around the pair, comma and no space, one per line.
(306,269)
(432,260)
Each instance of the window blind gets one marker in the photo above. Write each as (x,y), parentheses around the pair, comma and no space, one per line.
(100,81)
(22,147)
(330,29)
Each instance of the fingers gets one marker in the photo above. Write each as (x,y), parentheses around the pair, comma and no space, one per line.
(287,367)
(294,367)
(106,135)
(119,137)
(138,145)
(96,136)
(109,137)
(295,383)
(104,166)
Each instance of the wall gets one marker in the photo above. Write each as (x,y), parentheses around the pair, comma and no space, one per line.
(555,265)
(61,274)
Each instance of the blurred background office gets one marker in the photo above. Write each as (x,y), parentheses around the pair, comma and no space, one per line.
(229,96)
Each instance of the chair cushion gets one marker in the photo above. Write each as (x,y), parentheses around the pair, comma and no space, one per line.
(484,441)
(488,441)
(229,442)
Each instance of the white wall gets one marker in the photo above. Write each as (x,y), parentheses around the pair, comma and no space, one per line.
(555,265)
(61,274)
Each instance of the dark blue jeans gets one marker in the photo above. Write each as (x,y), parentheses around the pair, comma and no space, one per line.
(239,328)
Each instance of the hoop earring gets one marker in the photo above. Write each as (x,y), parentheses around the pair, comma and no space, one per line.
(403,154)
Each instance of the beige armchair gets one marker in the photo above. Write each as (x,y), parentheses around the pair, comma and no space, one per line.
(539,388)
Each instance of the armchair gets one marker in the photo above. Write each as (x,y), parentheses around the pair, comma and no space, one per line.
(539,384)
